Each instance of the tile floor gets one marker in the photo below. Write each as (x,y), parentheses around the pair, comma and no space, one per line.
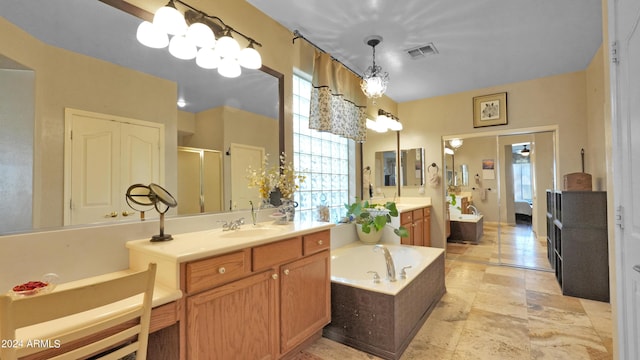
(500,312)
(519,246)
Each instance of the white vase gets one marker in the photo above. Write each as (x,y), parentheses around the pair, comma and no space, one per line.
(371,238)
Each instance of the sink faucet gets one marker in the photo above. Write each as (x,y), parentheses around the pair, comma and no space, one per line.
(254,213)
(233,225)
(391,268)
(474,210)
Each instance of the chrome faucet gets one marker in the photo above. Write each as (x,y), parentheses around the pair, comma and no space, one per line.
(474,210)
(233,225)
(391,268)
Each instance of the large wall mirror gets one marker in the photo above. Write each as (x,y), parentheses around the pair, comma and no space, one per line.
(380,169)
(491,172)
(84,55)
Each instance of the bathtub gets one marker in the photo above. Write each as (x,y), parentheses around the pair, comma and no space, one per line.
(382,318)
(350,265)
(466,227)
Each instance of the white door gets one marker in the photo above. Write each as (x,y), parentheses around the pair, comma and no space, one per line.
(624,24)
(140,162)
(244,157)
(104,155)
(95,187)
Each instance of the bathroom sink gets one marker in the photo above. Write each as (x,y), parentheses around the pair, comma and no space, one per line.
(244,232)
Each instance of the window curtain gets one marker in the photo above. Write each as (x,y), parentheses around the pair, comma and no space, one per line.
(337,102)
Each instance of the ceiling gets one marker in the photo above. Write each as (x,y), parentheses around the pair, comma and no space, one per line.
(479,43)
(98,30)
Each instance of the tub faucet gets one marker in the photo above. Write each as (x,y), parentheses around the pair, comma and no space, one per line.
(474,210)
(391,268)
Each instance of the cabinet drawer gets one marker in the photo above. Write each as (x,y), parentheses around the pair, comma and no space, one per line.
(314,243)
(207,273)
(427,211)
(418,214)
(406,217)
(268,255)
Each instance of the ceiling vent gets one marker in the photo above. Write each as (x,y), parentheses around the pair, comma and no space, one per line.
(422,51)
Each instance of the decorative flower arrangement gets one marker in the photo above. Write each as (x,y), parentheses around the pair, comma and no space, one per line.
(281,177)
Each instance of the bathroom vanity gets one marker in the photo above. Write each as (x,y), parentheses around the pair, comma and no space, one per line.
(418,222)
(252,293)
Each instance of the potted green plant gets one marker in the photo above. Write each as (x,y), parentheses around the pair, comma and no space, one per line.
(370,219)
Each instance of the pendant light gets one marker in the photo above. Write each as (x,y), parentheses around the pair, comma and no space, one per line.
(374,80)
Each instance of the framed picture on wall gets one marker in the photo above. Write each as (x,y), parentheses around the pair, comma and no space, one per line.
(490,110)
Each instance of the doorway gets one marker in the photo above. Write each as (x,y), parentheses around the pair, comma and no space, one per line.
(490,173)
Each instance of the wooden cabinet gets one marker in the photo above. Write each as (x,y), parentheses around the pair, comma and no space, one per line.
(464,205)
(234,321)
(418,223)
(426,239)
(577,242)
(258,303)
(305,299)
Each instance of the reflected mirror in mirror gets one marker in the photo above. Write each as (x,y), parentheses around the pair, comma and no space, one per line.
(464,175)
(95,63)
(385,168)
(412,167)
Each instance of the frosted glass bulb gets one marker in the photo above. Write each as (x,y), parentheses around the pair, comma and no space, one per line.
(201,35)
(207,58)
(170,20)
(182,48)
(228,47)
(229,68)
(250,58)
(152,36)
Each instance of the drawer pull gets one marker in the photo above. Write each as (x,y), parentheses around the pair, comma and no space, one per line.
(222,270)
(286,271)
(320,242)
(275,276)
(636,268)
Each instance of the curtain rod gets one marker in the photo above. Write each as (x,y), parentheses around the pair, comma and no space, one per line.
(298,35)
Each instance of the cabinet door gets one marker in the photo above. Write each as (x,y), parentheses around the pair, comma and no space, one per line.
(427,228)
(234,321)
(418,232)
(406,220)
(305,299)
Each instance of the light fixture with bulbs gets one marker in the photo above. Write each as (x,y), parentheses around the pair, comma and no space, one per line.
(525,151)
(191,34)
(455,143)
(374,80)
(384,122)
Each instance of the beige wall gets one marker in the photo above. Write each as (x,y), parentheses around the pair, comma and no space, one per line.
(16,148)
(557,100)
(595,152)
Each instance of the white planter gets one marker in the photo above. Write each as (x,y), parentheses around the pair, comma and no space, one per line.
(371,238)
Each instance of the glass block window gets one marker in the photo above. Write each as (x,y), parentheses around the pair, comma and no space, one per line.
(323,158)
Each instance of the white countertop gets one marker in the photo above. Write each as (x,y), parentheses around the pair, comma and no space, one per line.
(201,244)
(404,204)
(168,255)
